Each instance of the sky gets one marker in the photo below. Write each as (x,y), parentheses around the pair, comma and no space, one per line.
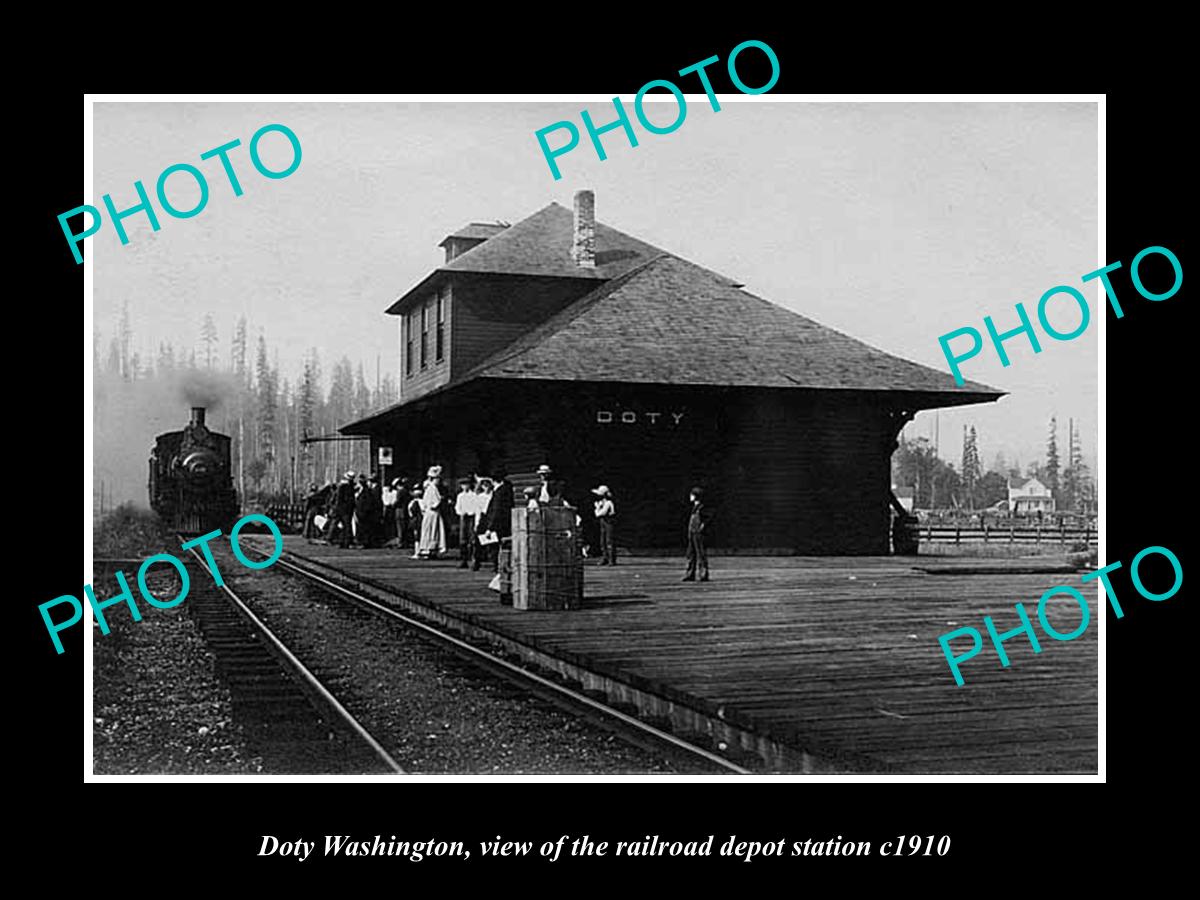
(894,223)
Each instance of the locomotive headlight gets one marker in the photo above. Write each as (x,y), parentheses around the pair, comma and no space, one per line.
(200,462)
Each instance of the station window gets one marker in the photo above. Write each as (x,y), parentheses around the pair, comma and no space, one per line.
(440,339)
(425,335)
(408,343)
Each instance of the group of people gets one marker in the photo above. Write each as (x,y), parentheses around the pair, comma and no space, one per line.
(358,510)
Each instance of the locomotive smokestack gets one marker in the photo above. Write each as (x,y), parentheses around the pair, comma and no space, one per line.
(197,415)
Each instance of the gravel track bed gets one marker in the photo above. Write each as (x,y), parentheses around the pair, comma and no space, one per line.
(158,705)
(433,711)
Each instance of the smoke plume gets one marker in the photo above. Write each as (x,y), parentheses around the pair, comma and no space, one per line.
(128,415)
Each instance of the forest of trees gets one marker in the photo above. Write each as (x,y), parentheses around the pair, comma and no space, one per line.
(939,484)
(267,413)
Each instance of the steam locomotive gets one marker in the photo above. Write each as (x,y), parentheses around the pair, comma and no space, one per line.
(191,485)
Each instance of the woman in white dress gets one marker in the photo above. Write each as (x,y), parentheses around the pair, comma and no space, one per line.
(433,526)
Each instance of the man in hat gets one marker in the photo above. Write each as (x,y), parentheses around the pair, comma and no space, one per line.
(367,510)
(400,509)
(343,509)
(606,513)
(545,474)
(483,500)
(499,520)
(697,556)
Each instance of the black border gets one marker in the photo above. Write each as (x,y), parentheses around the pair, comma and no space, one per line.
(993,828)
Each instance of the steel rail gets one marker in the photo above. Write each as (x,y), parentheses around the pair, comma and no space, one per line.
(524,674)
(311,680)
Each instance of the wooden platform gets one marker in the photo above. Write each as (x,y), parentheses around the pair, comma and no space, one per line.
(816,664)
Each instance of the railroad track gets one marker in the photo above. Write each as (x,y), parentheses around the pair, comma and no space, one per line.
(285,710)
(632,728)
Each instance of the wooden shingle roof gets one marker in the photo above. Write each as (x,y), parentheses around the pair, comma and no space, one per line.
(540,245)
(670,321)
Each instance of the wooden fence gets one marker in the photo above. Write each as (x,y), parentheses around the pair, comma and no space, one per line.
(287,517)
(290,518)
(1008,533)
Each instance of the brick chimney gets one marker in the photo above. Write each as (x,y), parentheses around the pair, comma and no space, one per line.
(583,246)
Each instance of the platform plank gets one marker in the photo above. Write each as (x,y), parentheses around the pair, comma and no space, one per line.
(824,653)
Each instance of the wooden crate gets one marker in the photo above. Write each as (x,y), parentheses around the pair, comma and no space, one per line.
(547,567)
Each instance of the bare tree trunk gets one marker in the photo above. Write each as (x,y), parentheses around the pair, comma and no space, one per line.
(242,451)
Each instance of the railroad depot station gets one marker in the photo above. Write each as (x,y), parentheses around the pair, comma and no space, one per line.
(560,340)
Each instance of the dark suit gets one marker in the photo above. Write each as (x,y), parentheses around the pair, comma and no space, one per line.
(343,511)
(697,555)
(499,514)
(314,503)
(368,508)
(499,518)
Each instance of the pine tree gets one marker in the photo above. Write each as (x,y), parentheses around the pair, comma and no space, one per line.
(113,366)
(362,394)
(1049,472)
(967,466)
(166,359)
(387,391)
(341,393)
(970,465)
(125,331)
(936,484)
(306,413)
(237,364)
(208,337)
(1000,463)
(1077,487)
(266,409)
(237,351)
(308,395)
(287,448)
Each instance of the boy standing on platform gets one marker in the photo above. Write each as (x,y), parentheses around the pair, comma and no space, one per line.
(464,505)
(697,556)
(606,514)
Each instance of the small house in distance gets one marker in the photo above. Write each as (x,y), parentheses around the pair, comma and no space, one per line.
(561,340)
(1028,496)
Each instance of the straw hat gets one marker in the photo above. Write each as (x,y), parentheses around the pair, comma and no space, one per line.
(543,469)
(601,491)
